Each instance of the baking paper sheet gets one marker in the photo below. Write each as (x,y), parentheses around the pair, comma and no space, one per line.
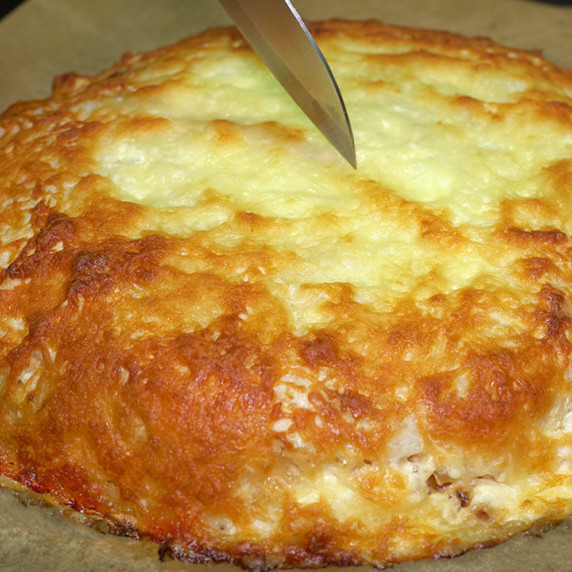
(44,38)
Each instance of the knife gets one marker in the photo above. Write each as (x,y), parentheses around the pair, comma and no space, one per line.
(279,36)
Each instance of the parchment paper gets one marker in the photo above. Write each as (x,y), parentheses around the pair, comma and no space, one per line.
(44,38)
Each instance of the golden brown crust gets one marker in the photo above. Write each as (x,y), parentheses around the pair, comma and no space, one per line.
(217,336)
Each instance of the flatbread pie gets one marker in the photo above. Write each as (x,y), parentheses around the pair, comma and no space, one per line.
(218,336)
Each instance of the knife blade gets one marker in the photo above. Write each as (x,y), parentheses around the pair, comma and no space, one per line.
(277,33)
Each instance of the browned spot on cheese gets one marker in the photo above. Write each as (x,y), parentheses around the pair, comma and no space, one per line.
(537,237)
(538,267)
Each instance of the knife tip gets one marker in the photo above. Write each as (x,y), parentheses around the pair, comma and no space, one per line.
(348,152)
(352,160)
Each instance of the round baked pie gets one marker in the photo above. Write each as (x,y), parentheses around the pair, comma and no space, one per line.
(217,335)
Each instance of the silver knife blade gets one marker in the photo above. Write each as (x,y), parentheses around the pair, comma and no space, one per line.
(279,36)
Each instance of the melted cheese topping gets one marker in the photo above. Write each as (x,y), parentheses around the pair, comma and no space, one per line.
(217,335)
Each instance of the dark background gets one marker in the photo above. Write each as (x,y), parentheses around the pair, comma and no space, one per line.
(7,6)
